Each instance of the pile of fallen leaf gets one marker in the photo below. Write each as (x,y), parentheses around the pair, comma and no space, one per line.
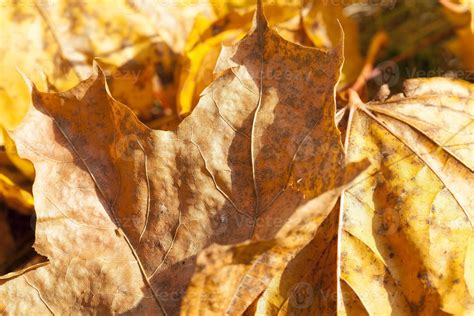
(221,157)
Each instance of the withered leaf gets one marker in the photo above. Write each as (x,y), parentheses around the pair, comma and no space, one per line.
(407,231)
(404,242)
(230,277)
(123,210)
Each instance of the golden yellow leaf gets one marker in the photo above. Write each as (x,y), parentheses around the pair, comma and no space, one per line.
(351,303)
(253,150)
(462,46)
(14,194)
(23,29)
(174,20)
(407,226)
(200,58)
(460,12)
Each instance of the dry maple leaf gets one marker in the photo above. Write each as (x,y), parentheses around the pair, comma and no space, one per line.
(405,242)
(123,210)
(407,233)
(229,277)
(308,283)
(54,44)
(405,245)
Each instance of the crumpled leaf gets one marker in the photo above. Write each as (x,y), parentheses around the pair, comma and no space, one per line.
(253,150)
(407,232)
(229,278)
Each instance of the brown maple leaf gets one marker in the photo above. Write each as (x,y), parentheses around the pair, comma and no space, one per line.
(229,278)
(123,210)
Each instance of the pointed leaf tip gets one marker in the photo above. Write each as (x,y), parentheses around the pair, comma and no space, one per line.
(259,20)
(97,70)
